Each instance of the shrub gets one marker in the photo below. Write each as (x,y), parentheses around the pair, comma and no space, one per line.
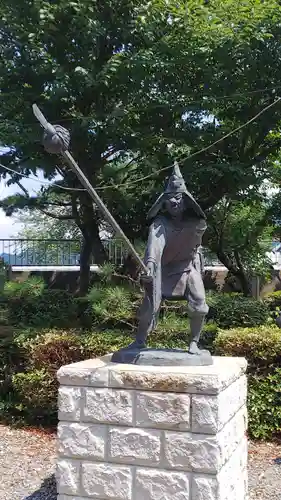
(208,336)
(50,308)
(54,349)
(273,300)
(101,343)
(12,359)
(173,331)
(31,358)
(35,396)
(113,305)
(33,287)
(230,310)
(264,403)
(261,346)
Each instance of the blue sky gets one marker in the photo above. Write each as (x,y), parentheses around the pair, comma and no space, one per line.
(9,226)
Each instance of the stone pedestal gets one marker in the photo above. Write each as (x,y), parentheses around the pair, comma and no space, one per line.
(130,432)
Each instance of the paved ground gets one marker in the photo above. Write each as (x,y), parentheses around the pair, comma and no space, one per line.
(265,471)
(27,462)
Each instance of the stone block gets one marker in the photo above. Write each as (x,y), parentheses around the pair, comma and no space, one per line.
(205,488)
(232,478)
(67,474)
(211,413)
(81,440)
(108,406)
(100,372)
(232,434)
(106,481)
(163,410)
(158,484)
(189,379)
(229,484)
(69,403)
(93,372)
(134,446)
(203,453)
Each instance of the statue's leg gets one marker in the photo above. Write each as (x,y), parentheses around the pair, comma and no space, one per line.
(197,308)
(148,317)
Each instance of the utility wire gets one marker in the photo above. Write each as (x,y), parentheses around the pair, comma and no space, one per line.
(201,101)
(180,161)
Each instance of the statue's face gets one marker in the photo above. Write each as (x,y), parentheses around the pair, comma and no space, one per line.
(175,204)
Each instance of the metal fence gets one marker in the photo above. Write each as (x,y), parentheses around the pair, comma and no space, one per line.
(54,252)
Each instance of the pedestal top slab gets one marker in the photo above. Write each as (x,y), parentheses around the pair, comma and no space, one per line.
(161,357)
(101,372)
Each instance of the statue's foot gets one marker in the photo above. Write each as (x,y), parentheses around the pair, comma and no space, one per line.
(137,345)
(194,349)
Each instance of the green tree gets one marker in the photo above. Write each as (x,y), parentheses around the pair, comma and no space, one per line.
(128,79)
(240,232)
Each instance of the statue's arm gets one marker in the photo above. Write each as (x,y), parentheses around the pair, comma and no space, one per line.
(201,228)
(201,260)
(156,243)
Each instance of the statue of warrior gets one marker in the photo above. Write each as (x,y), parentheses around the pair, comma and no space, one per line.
(174,260)
(173,265)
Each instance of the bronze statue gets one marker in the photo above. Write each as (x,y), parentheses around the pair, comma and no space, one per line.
(174,260)
(173,264)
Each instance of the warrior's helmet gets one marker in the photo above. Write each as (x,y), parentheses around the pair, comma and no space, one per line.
(175,186)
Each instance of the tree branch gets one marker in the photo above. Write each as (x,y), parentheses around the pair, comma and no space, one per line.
(23,188)
(56,204)
(59,217)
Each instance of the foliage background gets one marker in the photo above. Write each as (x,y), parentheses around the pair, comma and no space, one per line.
(138,85)
(43,340)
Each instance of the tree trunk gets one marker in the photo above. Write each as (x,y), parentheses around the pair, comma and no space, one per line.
(236,270)
(98,250)
(92,244)
(244,280)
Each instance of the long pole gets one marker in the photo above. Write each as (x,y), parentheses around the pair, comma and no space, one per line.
(88,186)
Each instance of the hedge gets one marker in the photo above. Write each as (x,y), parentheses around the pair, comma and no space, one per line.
(262,348)
(30,303)
(53,328)
(235,310)
(30,394)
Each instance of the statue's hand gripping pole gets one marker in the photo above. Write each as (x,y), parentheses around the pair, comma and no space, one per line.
(60,146)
